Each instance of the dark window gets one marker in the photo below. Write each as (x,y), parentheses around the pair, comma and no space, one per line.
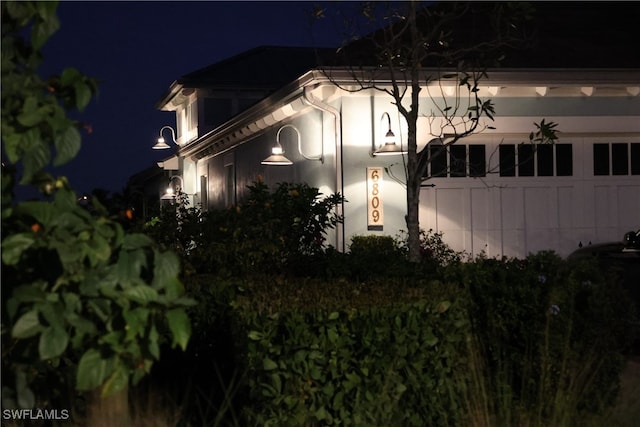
(437,154)
(620,159)
(601,159)
(564,160)
(507,160)
(545,160)
(458,160)
(478,160)
(525,159)
(635,159)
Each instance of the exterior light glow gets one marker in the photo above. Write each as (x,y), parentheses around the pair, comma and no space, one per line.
(390,148)
(161,144)
(277,157)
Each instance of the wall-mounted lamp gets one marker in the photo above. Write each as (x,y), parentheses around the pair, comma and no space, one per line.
(390,147)
(277,152)
(173,189)
(161,144)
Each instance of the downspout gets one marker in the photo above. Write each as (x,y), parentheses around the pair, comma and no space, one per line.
(337,162)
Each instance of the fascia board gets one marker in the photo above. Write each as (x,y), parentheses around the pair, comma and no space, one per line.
(262,109)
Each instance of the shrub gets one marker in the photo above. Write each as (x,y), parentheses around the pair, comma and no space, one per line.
(550,334)
(270,231)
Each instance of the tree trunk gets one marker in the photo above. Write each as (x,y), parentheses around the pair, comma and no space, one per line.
(413,172)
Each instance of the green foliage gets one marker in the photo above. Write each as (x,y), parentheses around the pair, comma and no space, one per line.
(270,231)
(374,257)
(533,342)
(85,304)
(551,334)
(339,354)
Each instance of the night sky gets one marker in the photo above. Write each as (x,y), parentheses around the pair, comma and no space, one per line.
(137,49)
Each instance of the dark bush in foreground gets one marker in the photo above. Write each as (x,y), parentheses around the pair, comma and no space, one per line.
(505,342)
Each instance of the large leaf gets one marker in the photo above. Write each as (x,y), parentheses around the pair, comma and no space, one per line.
(31,113)
(36,155)
(27,325)
(180,327)
(67,145)
(14,245)
(116,382)
(166,267)
(53,341)
(93,369)
(43,212)
(83,95)
(142,294)
(136,240)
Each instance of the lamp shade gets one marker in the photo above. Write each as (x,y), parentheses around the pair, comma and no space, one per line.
(389,149)
(161,145)
(277,158)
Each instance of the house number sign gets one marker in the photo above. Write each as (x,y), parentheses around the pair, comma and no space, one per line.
(375,213)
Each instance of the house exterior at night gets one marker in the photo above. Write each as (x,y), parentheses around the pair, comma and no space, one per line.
(488,192)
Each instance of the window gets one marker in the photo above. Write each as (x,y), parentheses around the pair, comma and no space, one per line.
(532,160)
(188,121)
(564,159)
(545,160)
(457,160)
(477,160)
(616,159)
(438,163)
(526,163)
(507,153)
(635,159)
(601,159)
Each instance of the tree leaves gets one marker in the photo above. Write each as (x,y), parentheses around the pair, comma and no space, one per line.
(93,369)
(180,327)
(67,145)
(27,325)
(53,342)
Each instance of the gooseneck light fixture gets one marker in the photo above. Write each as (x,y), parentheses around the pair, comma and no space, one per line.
(277,156)
(161,144)
(173,189)
(390,147)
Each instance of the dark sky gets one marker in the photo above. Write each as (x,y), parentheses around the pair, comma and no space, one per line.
(137,49)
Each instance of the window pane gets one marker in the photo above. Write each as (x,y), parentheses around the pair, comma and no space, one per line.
(525,159)
(438,157)
(635,159)
(478,160)
(601,159)
(545,160)
(507,160)
(564,160)
(458,160)
(619,159)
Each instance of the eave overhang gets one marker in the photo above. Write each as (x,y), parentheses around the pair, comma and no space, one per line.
(288,101)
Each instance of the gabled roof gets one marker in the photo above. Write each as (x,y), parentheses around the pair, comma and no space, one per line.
(266,68)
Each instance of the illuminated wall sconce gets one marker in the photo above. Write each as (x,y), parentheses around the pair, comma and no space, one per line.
(176,184)
(390,148)
(161,144)
(277,156)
